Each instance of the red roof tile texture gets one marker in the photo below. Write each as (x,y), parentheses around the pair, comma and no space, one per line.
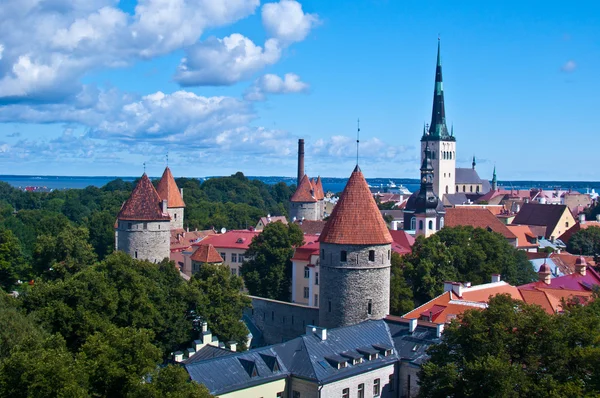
(305,191)
(234,239)
(319,193)
(403,242)
(144,204)
(477,218)
(355,219)
(167,189)
(206,254)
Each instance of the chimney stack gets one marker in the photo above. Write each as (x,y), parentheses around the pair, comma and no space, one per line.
(580,266)
(581,218)
(300,160)
(439,330)
(495,278)
(164,206)
(412,325)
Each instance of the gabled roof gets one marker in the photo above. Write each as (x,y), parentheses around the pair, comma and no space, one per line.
(234,239)
(476,217)
(356,220)
(524,236)
(308,249)
(577,227)
(144,204)
(268,220)
(574,281)
(311,227)
(540,214)
(467,176)
(206,254)
(167,189)
(403,242)
(305,192)
(181,239)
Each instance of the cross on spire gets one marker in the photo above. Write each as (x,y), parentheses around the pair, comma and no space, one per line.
(357,138)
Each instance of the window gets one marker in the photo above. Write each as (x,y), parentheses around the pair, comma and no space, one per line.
(129,225)
(457,190)
(295,394)
(343,255)
(471,188)
(370,307)
(376,388)
(195,267)
(239,272)
(175,216)
(329,305)
(371,255)
(430,224)
(361,390)
(240,258)
(159,226)
(346,393)
(234,257)
(223,256)
(446,188)
(316,300)
(413,223)
(389,254)
(420,225)
(442,222)
(567,224)
(136,254)
(464,188)
(322,254)
(145,225)
(477,189)
(234,271)
(316,278)
(305,292)
(272,315)
(306,272)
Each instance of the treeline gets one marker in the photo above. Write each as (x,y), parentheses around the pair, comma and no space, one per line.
(43,234)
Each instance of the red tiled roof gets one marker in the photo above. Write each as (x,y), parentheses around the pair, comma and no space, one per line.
(577,227)
(268,220)
(403,242)
(524,236)
(355,219)
(575,281)
(206,253)
(182,239)
(234,239)
(305,192)
(477,218)
(319,189)
(311,227)
(308,249)
(167,189)
(144,204)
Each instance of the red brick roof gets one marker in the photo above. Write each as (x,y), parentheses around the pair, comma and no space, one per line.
(182,239)
(234,239)
(167,189)
(355,219)
(206,253)
(524,236)
(403,242)
(477,218)
(576,228)
(144,204)
(320,195)
(305,191)
(311,227)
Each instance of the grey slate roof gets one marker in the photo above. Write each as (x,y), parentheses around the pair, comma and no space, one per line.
(464,175)
(411,203)
(208,352)
(411,347)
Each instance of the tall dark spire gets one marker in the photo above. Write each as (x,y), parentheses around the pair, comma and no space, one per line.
(437,127)
(494,180)
(426,200)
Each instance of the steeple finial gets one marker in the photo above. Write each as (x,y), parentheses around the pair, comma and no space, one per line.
(439,52)
(144,167)
(473,164)
(357,138)
(167,156)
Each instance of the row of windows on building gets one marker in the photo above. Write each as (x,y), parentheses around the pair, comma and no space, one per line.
(360,389)
(284,318)
(413,224)
(344,255)
(307,275)
(235,258)
(307,294)
(137,226)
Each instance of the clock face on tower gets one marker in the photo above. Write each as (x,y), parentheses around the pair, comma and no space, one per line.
(424,179)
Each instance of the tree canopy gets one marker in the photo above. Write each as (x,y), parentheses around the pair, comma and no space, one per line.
(267,272)
(585,242)
(515,350)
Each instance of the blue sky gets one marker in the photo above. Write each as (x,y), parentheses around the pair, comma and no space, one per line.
(98,87)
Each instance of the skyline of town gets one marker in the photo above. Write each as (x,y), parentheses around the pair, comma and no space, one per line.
(104,88)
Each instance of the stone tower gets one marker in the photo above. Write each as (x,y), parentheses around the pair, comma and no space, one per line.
(304,203)
(441,144)
(142,229)
(355,259)
(426,201)
(167,190)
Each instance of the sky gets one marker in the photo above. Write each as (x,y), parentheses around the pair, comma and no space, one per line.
(102,87)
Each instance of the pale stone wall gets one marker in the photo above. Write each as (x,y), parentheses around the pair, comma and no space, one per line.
(280,321)
(348,287)
(563,225)
(408,380)
(368,379)
(308,210)
(444,169)
(176,214)
(266,390)
(306,388)
(149,240)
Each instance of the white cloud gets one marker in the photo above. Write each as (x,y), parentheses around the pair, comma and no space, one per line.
(286,21)
(1,50)
(339,146)
(225,61)
(273,84)
(569,66)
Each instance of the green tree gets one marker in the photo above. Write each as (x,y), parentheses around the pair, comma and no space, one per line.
(401,294)
(12,263)
(513,350)
(585,242)
(17,328)
(102,232)
(216,297)
(268,270)
(171,381)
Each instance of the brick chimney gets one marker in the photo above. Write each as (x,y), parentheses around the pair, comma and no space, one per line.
(300,160)
(544,274)
(580,266)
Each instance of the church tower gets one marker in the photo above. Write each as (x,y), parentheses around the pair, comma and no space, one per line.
(355,259)
(441,144)
(142,227)
(427,201)
(167,190)
(494,181)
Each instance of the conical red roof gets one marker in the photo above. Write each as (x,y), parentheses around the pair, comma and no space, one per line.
(167,189)
(305,191)
(144,204)
(319,188)
(206,254)
(355,219)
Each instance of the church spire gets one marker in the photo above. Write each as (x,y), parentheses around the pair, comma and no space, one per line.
(494,180)
(437,128)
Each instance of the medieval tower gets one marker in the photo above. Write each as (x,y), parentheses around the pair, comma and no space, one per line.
(355,259)
(142,229)
(441,144)
(429,219)
(308,201)
(167,190)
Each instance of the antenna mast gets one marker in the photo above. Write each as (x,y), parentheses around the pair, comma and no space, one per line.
(357,138)
(167,158)
(144,167)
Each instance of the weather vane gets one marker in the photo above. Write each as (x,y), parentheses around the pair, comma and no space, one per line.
(167,159)
(144,167)
(357,138)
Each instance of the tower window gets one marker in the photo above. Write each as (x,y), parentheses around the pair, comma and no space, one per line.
(343,255)
(136,254)
(413,223)
(329,305)
(446,188)
(370,307)
(471,188)
(175,216)
(430,224)
(457,190)
(420,224)
(464,188)
(145,225)
(371,255)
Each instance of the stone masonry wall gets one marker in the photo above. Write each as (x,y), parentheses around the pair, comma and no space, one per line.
(176,214)
(280,321)
(310,211)
(151,243)
(348,287)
